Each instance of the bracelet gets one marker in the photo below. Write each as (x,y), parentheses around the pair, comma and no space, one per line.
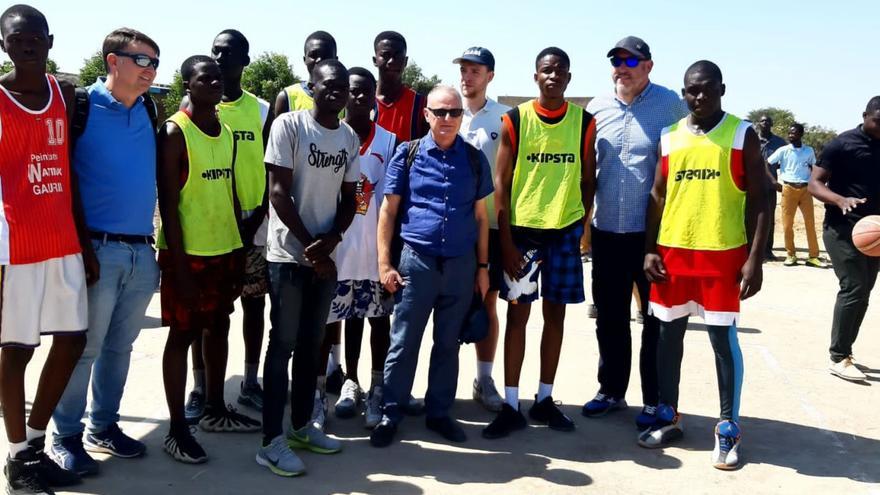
(483,265)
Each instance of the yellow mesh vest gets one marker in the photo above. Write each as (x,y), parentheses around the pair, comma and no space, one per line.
(244,118)
(297,99)
(207,214)
(546,189)
(705,209)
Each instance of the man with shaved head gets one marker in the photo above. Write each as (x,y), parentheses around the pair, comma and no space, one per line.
(437,187)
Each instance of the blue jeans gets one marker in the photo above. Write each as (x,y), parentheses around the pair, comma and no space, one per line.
(300,306)
(444,286)
(117,305)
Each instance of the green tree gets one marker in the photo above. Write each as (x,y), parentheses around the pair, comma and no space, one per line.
(818,136)
(51,67)
(175,94)
(92,69)
(782,119)
(267,75)
(413,77)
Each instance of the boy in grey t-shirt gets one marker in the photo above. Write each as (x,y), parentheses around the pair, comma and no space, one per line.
(312,159)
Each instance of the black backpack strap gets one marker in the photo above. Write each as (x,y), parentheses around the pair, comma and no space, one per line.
(80,113)
(412,149)
(152,110)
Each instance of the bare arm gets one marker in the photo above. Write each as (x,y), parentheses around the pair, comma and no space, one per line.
(280,181)
(655,270)
(510,255)
(818,187)
(588,174)
(387,220)
(756,216)
(282,105)
(481,213)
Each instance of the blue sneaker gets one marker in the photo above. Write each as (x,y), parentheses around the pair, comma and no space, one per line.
(646,418)
(194,408)
(666,429)
(601,405)
(69,454)
(727,439)
(112,441)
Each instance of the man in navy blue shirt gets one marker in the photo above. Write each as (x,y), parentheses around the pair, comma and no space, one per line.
(115,164)
(443,217)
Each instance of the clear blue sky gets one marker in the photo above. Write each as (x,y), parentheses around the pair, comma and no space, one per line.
(817,59)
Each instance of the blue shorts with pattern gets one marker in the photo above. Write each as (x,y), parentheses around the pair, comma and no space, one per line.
(553,256)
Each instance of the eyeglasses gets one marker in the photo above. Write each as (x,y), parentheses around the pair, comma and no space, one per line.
(443,112)
(140,59)
(630,62)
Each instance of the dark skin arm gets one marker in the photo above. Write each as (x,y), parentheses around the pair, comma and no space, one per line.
(282,105)
(818,187)
(655,270)
(774,183)
(511,257)
(172,163)
(588,177)
(752,274)
(90,260)
(388,275)
(325,243)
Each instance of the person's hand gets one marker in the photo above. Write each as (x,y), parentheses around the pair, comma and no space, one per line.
(751,279)
(390,278)
(777,186)
(655,270)
(481,284)
(321,247)
(847,205)
(92,266)
(511,259)
(325,268)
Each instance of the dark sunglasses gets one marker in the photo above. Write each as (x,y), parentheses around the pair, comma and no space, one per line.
(631,62)
(140,59)
(443,112)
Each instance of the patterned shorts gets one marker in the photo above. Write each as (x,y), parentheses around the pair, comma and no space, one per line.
(218,279)
(360,299)
(256,272)
(554,257)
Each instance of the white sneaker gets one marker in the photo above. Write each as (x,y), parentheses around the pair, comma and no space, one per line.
(725,455)
(373,414)
(847,370)
(319,410)
(486,394)
(350,398)
(278,457)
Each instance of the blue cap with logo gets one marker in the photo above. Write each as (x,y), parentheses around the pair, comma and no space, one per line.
(477,55)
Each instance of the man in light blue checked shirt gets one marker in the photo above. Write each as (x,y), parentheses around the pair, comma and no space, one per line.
(628,126)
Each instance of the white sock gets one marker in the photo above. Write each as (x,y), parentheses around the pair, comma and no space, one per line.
(32,433)
(544,390)
(321,384)
(335,359)
(511,397)
(199,380)
(15,448)
(484,369)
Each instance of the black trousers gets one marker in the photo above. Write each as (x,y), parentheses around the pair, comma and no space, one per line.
(857,274)
(618,261)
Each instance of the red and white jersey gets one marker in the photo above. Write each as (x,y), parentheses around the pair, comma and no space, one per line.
(36,221)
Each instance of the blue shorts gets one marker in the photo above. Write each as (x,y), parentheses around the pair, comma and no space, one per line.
(555,257)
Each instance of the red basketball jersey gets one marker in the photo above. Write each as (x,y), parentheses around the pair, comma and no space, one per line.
(404,118)
(36,221)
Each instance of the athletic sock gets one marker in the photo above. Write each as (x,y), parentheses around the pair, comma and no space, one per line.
(16,447)
(511,397)
(321,384)
(199,380)
(377,378)
(31,433)
(335,359)
(484,369)
(250,374)
(544,390)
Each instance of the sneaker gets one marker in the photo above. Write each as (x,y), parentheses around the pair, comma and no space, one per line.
(383,433)
(847,370)
(646,418)
(69,454)
(227,420)
(666,429)
(350,399)
(790,261)
(319,410)
(447,427)
(507,421)
(547,411)
(815,263)
(592,311)
(195,407)
(727,438)
(51,472)
(486,394)
(373,414)
(309,437)
(251,396)
(768,258)
(278,457)
(112,441)
(182,446)
(23,474)
(413,407)
(335,381)
(601,405)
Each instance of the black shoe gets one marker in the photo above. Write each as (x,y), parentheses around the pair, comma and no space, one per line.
(447,427)
(52,473)
(335,381)
(548,412)
(23,474)
(182,446)
(383,433)
(507,421)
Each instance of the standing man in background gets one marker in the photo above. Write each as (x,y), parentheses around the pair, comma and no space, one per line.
(769,144)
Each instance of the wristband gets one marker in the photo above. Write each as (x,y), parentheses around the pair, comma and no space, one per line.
(483,265)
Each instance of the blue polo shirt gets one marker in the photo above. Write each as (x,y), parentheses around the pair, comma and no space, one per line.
(115,163)
(795,163)
(438,197)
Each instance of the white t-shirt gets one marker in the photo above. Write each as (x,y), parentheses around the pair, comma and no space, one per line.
(358,255)
(483,131)
(321,160)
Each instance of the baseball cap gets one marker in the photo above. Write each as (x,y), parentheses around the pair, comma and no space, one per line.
(634,45)
(477,55)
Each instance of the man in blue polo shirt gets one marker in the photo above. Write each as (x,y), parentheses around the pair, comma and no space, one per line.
(115,163)
(443,217)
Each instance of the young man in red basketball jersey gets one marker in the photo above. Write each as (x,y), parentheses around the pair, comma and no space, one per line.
(42,276)
(398,107)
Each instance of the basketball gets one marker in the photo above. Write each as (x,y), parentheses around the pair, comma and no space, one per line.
(866,235)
